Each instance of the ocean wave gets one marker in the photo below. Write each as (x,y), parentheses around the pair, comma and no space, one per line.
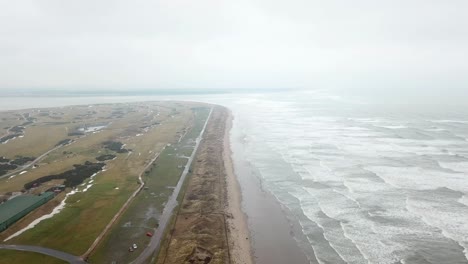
(448,217)
(416,178)
(359,178)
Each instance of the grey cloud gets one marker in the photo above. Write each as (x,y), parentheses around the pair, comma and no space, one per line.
(232,44)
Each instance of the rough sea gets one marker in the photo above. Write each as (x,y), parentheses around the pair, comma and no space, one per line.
(365,181)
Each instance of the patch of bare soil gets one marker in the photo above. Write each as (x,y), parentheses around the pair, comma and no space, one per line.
(200,255)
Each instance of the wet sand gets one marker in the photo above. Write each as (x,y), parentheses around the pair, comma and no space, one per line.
(239,236)
(271,233)
(210,225)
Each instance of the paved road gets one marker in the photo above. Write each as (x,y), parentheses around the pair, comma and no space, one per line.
(155,242)
(46,251)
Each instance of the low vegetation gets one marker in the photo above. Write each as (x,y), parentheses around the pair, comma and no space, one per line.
(7,165)
(8,137)
(64,142)
(72,177)
(17,129)
(20,160)
(106,157)
(4,168)
(115,146)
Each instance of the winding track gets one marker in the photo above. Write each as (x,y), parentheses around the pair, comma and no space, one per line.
(46,251)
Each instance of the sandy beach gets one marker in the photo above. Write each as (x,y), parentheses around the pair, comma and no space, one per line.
(272,233)
(210,226)
(239,236)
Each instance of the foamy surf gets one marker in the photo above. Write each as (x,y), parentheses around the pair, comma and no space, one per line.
(371,189)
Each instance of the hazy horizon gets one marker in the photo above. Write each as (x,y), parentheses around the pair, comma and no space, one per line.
(365,46)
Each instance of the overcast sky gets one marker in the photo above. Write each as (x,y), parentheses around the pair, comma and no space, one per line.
(151,44)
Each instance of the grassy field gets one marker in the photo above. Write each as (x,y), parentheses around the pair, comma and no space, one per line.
(143,214)
(11,256)
(145,128)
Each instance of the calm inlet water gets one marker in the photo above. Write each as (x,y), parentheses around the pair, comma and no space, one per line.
(364,182)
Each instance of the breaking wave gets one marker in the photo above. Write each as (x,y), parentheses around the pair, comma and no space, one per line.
(388,188)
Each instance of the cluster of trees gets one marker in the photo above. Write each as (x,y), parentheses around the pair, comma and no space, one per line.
(7,164)
(153,124)
(22,160)
(72,177)
(17,129)
(115,146)
(63,142)
(105,157)
(4,168)
(8,137)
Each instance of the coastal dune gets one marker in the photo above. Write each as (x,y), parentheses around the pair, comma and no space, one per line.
(210,226)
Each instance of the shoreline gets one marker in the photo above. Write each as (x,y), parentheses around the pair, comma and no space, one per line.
(272,232)
(210,225)
(239,234)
